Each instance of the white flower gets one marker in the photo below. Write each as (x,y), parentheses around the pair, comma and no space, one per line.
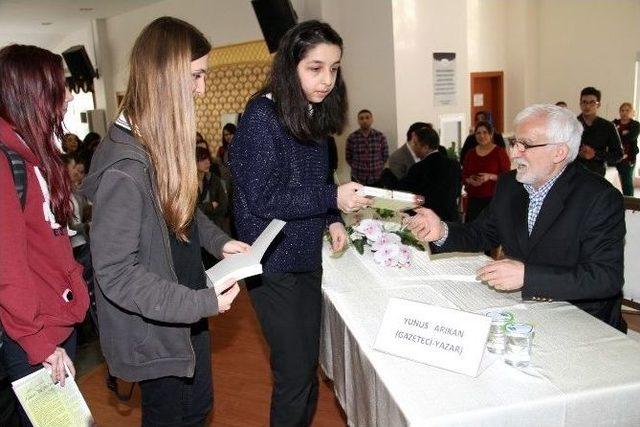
(387,255)
(384,239)
(356,235)
(371,228)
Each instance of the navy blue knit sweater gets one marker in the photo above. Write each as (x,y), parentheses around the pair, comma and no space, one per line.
(277,176)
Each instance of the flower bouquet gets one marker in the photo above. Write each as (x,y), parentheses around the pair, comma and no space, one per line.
(388,241)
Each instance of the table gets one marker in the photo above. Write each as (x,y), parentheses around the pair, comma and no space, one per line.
(583,373)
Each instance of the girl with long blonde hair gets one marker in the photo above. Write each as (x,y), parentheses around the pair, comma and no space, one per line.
(153,302)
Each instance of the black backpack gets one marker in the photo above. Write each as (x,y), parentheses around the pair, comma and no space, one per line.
(19,172)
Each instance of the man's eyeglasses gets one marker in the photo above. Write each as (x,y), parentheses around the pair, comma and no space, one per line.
(522,145)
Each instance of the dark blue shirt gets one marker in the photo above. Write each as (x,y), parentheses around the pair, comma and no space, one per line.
(278,176)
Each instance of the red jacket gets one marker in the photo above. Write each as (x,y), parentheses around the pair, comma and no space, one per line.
(36,265)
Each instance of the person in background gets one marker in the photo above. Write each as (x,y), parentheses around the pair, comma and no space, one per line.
(70,143)
(471,141)
(212,199)
(481,168)
(600,141)
(561,104)
(402,159)
(279,164)
(434,177)
(561,227)
(153,300)
(628,129)
(367,151)
(42,294)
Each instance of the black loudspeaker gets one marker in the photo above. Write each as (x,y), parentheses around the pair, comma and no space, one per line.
(79,64)
(275,18)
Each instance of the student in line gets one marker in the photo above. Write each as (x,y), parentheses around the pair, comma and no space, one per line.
(42,293)
(279,164)
(153,302)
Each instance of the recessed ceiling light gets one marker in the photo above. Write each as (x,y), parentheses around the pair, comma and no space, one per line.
(45,23)
(86,9)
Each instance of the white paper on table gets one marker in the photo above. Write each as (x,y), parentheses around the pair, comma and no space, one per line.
(49,404)
(246,264)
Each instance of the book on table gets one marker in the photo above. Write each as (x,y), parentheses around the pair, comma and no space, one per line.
(49,404)
(246,264)
(392,200)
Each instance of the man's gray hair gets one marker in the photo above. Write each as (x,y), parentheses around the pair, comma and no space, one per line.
(561,125)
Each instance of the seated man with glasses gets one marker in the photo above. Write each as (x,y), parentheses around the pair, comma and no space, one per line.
(600,140)
(561,227)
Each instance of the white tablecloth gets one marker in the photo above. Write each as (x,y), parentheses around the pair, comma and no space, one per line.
(583,373)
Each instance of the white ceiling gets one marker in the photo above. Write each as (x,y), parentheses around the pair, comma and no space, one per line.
(21,20)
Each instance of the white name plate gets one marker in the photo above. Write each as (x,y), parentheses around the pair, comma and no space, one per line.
(441,337)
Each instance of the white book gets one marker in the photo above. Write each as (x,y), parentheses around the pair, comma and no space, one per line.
(239,266)
(48,404)
(392,200)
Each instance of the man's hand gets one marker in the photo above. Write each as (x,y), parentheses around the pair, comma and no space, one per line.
(338,236)
(504,275)
(425,225)
(474,180)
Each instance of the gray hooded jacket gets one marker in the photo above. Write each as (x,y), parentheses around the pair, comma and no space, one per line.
(143,312)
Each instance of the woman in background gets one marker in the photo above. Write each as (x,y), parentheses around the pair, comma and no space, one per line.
(153,300)
(481,168)
(279,164)
(42,294)
(628,129)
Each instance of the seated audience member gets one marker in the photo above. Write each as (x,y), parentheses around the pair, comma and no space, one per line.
(201,142)
(401,160)
(481,169)
(600,141)
(88,147)
(70,143)
(212,199)
(433,177)
(471,141)
(561,227)
(628,129)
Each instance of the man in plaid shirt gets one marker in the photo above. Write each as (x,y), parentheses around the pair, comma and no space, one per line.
(367,151)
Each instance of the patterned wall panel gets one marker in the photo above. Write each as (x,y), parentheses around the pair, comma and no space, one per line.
(235,73)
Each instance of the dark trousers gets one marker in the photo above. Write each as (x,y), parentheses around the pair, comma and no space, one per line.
(288,308)
(475,205)
(625,170)
(175,401)
(14,361)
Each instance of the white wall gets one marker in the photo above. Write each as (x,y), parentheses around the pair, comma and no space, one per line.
(366,27)
(422,27)
(588,43)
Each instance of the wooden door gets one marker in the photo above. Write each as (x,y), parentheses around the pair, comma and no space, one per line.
(487,94)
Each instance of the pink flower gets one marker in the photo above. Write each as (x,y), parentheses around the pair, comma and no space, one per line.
(384,239)
(371,228)
(387,255)
(404,257)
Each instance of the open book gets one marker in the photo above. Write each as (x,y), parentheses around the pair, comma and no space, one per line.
(239,266)
(49,404)
(392,200)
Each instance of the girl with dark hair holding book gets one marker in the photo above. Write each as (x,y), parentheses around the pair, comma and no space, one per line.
(153,302)
(279,165)
(42,293)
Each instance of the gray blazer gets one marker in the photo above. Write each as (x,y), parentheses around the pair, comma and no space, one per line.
(143,312)
(400,161)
